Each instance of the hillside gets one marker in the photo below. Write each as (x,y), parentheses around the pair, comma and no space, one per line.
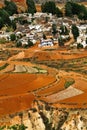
(43,75)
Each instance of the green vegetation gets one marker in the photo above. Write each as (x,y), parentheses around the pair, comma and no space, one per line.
(64,30)
(30,43)
(2,127)
(40,70)
(1,22)
(3,40)
(4,66)
(60,41)
(31,6)
(4,18)
(10,7)
(58,12)
(13,24)
(44,36)
(20,20)
(14,127)
(18,44)
(72,8)
(79,46)
(13,37)
(75,31)
(77,65)
(69,82)
(50,7)
(21,117)
(54,28)
(68,9)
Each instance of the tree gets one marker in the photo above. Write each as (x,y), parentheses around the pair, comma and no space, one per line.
(64,30)
(18,44)
(30,43)
(73,8)
(58,12)
(22,127)
(82,12)
(54,29)
(76,8)
(86,40)
(21,117)
(31,6)
(79,46)
(1,22)
(49,7)
(46,19)
(13,37)
(2,127)
(68,9)
(60,41)
(75,31)
(10,7)
(5,17)
(44,36)
(13,24)
(17,127)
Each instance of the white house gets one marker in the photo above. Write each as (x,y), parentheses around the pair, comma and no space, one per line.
(82,39)
(46,42)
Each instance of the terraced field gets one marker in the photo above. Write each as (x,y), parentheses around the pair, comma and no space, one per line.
(53,75)
(54,88)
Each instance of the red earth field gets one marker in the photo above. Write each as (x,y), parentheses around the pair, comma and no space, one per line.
(20,89)
(17,90)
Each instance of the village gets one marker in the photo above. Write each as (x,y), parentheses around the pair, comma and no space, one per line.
(43,66)
(40,27)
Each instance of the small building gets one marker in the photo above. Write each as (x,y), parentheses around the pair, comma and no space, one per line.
(46,42)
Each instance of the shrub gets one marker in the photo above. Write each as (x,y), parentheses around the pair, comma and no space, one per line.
(4,66)
(30,43)
(79,46)
(13,37)
(10,7)
(75,31)
(18,44)
(2,41)
(31,6)
(60,41)
(69,83)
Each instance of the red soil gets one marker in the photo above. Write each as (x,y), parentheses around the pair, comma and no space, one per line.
(21,4)
(22,83)
(47,55)
(2,63)
(38,8)
(9,68)
(14,90)
(15,104)
(53,89)
(81,84)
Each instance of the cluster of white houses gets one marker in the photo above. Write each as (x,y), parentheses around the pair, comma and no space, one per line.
(39,24)
(82,35)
